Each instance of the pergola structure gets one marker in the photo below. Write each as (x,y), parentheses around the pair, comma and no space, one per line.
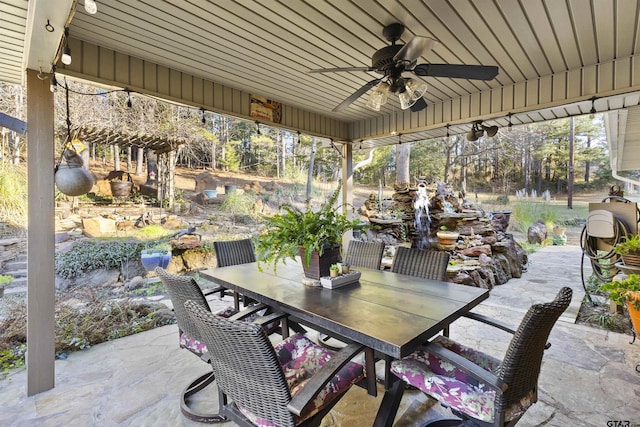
(555,58)
(163,148)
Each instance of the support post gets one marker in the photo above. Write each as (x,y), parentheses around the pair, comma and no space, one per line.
(347,187)
(40,240)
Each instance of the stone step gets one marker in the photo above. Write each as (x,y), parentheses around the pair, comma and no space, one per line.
(16,273)
(17,282)
(14,266)
(14,291)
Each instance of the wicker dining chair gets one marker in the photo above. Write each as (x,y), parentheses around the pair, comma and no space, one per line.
(476,386)
(359,254)
(295,383)
(184,288)
(234,252)
(428,264)
(364,254)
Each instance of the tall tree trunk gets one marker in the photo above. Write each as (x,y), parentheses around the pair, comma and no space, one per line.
(527,164)
(571,172)
(587,163)
(310,171)
(284,150)
(116,157)
(139,158)
(403,154)
(129,158)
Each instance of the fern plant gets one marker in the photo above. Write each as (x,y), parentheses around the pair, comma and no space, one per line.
(291,229)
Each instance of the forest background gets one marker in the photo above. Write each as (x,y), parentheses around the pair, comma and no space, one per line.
(533,157)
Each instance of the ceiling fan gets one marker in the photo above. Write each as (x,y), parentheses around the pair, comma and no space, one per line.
(394,60)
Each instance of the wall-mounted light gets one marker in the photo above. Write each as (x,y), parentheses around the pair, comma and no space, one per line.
(90,7)
(478,130)
(66,53)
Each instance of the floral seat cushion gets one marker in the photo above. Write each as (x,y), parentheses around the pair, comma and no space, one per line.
(196,346)
(451,386)
(300,358)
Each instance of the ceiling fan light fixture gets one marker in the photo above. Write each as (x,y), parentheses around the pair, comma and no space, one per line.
(415,88)
(378,97)
(406,101)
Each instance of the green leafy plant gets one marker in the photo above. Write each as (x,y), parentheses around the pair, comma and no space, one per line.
(618,291)
(334,267)
(286,232)
(628,244)
(5,279)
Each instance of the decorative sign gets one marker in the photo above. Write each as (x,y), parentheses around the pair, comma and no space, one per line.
(266,109)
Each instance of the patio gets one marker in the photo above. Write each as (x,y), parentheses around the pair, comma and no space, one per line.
(588,376)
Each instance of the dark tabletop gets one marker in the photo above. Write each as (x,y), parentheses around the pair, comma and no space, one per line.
(388,312)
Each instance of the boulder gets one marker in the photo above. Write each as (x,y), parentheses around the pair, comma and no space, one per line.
(205,181)
(98,226)
(537,233)
(476,251)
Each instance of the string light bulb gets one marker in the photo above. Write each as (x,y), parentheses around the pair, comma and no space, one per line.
(593,111)
(448,130)
(298,137)
(510,125)
(66,55)
(203,118)
(129,103)
(258,126)
(90,7)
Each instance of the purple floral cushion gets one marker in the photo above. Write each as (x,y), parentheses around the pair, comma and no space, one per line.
(198,347)
(451,386)
(300,358)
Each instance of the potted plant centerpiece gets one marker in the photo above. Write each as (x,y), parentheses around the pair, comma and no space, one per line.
(447,237)
(626,290)
(314,235)
(629,249)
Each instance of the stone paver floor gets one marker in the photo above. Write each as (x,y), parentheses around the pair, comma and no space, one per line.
(588,377)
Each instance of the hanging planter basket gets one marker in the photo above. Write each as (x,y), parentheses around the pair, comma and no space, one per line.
(71,178)
(121,188)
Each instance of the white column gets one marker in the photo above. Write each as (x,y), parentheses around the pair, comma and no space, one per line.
(41,243)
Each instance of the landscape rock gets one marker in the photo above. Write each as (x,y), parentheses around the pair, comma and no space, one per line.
(205,181)
(98,226)
(537,233)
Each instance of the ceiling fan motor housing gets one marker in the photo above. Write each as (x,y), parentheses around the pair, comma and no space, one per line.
(382,59)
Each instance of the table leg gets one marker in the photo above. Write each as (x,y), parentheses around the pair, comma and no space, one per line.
(370,368)
(390,404)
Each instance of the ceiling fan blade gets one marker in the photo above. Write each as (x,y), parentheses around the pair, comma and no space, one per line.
(420,105)
(455,71)
(414,48)
(355,95)
(331,70)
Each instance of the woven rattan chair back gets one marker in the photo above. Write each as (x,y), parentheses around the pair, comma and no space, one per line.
(234,252)
(520,367)
(245,364)
(428,264)
(364,254)
(182,289)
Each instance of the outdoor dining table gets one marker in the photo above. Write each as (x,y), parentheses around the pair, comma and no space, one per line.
(389,313)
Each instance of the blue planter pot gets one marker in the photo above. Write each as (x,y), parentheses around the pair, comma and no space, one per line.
(211,194)
(155,258)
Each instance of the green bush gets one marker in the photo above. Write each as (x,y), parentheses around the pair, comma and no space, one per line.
(240,204)
(13,195)
(91,255)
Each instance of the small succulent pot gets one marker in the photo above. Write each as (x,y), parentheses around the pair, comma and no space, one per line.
(345,268)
